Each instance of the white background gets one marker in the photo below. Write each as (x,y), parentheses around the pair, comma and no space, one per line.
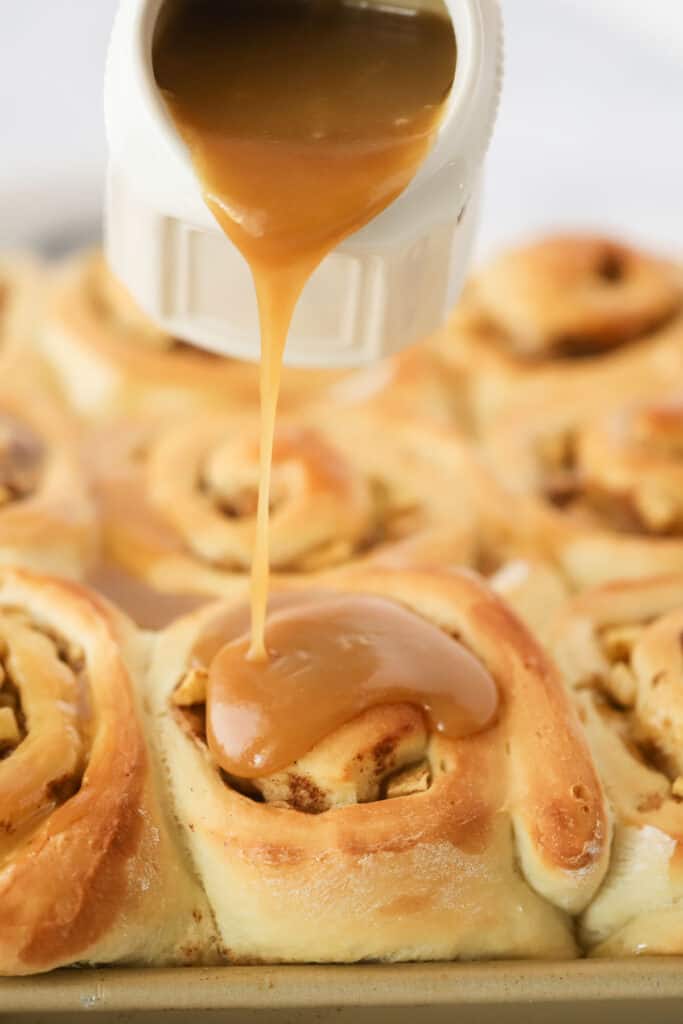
(590,130)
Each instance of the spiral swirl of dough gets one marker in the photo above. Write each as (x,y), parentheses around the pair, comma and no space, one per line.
(321,510)
(87,869)
(565,321)
(620,649)
(571,295)
(604,496)
(47,517)
(349,487)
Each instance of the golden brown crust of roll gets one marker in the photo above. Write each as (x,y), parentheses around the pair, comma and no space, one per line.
(91,875)
(619,647)
(47,516)
(112,360)
(600,496)
(469,852)
(575,293)
(566,319)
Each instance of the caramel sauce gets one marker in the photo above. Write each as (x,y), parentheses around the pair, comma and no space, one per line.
(331,658)
(304,120)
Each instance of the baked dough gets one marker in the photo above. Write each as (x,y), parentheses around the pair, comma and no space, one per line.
(602,497)
(385,841)
(619,647)
(47,516)
(351,486)
(88,870)
(565,320)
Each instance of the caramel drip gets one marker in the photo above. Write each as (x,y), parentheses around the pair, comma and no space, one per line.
(232,623)
(304,120)
(331,659)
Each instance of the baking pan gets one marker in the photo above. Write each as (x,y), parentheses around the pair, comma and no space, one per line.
(627,991)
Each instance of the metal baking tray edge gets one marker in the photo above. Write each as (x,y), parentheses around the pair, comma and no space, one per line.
(519,991)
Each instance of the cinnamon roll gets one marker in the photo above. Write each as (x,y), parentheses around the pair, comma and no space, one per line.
(620,649)
(606,494)
(412,804)
(88,872)
(567,319)
(350,487)
(111,359)
(47,517)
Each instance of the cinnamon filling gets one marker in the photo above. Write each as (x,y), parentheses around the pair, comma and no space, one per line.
(334,658)
(649,739)
(45,724)
(566,348)
(21,458)
(304,120)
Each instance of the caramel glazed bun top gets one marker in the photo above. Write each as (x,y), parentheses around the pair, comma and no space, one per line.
(565,320)
(620,649)
(387,840)
(87,869)
(606,494)
(112,359)
(47,517)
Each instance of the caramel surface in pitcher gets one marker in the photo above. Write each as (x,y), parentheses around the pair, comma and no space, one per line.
(330,658)
(304,119)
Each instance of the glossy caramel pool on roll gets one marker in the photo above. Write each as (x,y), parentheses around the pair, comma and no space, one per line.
(331,658)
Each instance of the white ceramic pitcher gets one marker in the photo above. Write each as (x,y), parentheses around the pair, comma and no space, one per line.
(383,288)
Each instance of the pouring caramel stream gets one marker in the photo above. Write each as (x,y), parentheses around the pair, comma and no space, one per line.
(304,120)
